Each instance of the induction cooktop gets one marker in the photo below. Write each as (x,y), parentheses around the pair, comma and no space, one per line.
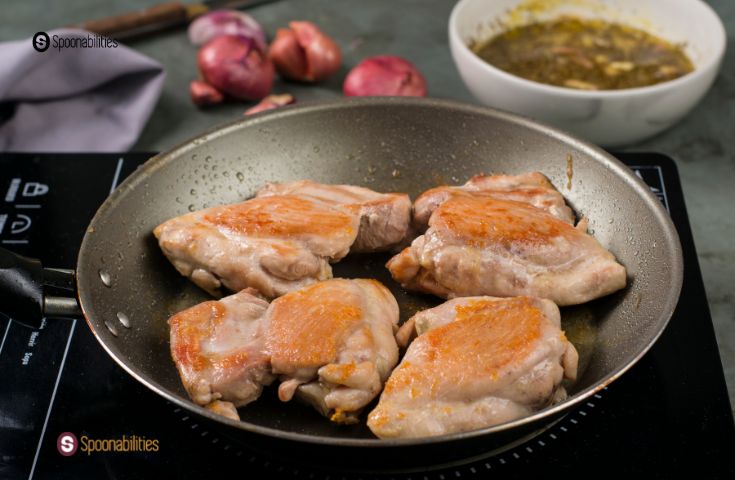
(669,414)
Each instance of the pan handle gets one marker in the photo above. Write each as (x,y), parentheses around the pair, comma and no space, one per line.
(29,292)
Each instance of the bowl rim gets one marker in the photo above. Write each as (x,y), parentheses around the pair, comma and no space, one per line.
(713,62)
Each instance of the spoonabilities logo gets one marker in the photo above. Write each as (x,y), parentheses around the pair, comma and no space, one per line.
(71,39)
(41,41)
(67,444)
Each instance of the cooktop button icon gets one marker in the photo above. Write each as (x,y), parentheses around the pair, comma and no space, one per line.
(34,189)
(20,225)
(12,190)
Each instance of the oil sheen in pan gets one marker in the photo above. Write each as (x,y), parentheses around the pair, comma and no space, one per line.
(578,322)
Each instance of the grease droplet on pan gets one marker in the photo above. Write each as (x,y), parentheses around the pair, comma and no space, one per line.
(111,328)
(124,320)
(106,279)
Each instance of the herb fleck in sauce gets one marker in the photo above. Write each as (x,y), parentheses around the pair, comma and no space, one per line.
(585,54)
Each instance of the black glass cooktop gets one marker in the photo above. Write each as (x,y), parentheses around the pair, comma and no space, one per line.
(669,414)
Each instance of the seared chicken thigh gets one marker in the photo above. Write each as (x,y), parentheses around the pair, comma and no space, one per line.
(477,362)
(219,350)
(479,245)
(532,188)
(277,243)
(331,343)
(384,217)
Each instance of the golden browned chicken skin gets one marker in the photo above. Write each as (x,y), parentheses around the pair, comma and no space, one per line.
(384,217)
(284,239)
(532,188)
(331,344)
(477,362)
(219,350)
(480,245)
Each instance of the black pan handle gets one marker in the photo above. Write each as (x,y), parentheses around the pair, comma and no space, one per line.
(28,292)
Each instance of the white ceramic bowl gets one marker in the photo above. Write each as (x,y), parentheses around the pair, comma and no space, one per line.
(608,117)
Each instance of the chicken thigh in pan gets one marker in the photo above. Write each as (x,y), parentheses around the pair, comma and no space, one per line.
(532,188)
(383,217)
(219,348)
(284,239)
(477,362)
(480,245)
(331,344)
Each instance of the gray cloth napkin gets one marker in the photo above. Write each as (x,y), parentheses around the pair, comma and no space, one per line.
(75,99)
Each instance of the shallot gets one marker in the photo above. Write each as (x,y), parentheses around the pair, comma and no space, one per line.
(235,65)
(270,102)
(226,22)
(384,75)
(305,53)
(203,94)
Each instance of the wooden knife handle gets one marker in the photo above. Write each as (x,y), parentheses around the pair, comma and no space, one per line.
(165,14)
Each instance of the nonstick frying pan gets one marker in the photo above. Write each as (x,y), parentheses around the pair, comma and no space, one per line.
(127,289)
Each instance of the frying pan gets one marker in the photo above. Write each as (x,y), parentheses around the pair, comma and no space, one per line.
(127,289)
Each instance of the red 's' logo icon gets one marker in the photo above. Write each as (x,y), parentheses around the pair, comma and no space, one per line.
(67,444)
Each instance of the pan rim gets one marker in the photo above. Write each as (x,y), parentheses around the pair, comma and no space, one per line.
(669,303)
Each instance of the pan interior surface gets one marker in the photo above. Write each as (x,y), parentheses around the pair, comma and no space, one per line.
(388,144)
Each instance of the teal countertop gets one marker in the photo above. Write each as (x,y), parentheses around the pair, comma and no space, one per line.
(703,144)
